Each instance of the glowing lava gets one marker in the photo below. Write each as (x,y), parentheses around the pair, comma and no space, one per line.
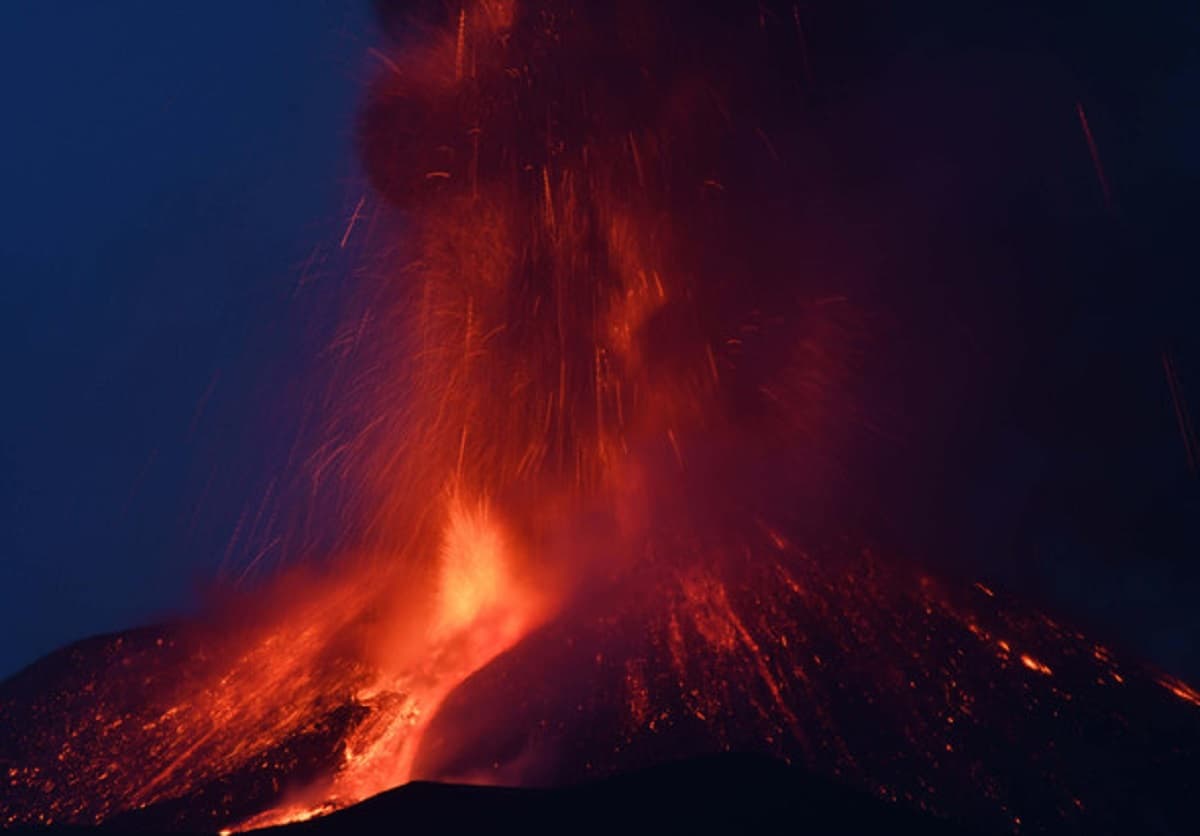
(589,423)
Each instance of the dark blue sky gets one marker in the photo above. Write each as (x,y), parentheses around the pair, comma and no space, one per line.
(176,177)
(168,169)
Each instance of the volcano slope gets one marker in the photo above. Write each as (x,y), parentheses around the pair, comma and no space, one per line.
(954,701)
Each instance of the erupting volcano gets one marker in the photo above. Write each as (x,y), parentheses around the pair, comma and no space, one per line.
(593,435)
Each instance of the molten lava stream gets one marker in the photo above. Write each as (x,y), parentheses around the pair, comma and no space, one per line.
(480,609)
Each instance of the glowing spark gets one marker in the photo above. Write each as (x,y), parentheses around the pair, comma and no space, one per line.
(803,42)
(1191,444)
(1181,689)
(1034,665)
(388,62)
(1095,152)
(353,220)
(460,45)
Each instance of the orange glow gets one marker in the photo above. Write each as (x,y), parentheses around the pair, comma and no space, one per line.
(1180,689)
(565,431)
(1034,665)
(473,578)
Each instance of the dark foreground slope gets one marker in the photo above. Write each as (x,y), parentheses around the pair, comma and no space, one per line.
(723,793)
(729,793)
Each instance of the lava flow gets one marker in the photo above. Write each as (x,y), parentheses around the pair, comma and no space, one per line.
(593,426)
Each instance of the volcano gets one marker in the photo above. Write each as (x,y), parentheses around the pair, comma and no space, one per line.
(595,439)
(957,702)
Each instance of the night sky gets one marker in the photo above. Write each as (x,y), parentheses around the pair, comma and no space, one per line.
(172,173)
(177,178)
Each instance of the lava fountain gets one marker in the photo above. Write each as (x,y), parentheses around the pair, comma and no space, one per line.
(593,432)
